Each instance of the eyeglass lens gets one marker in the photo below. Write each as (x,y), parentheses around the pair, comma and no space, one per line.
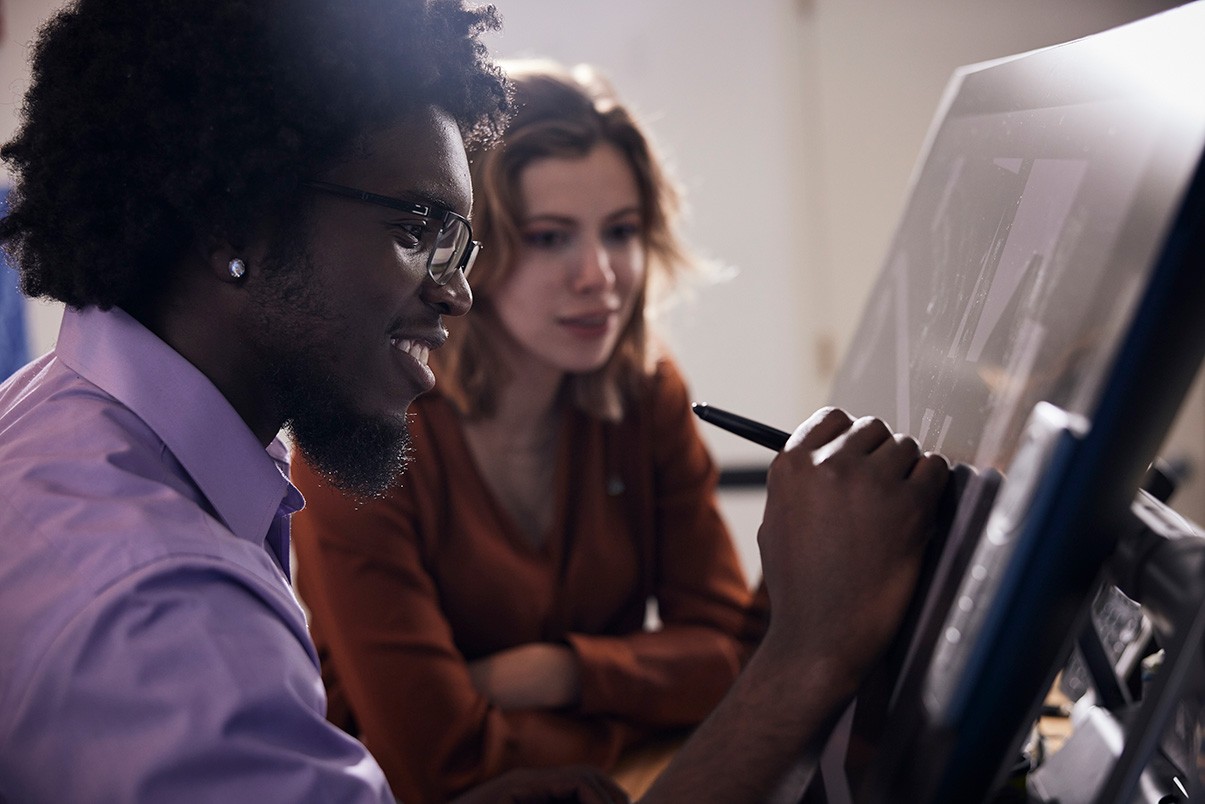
(450,246)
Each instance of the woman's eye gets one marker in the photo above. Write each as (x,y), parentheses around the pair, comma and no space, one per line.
(623,232)
(545,238)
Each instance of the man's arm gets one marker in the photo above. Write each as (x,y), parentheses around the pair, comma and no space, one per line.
(580,784)
(185,681)
(849,508)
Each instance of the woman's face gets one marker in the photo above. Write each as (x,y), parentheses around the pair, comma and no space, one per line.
(580,264)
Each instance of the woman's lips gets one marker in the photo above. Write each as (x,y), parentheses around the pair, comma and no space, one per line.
(591,325)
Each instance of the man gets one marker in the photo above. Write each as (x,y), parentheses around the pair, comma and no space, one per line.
(256,214)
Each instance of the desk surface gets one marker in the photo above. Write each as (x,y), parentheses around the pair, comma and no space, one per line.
(637,769)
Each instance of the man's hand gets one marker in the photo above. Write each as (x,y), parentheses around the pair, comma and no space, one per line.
(539,675)
(849,508)
(567,785)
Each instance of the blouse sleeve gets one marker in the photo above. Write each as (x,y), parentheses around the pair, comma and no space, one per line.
(361,573)
(676,675)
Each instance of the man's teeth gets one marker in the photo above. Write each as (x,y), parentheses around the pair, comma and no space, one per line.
(412,348)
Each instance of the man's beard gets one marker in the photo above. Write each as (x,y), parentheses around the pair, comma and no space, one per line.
(356,453)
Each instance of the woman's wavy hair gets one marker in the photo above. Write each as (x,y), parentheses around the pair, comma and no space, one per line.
(151,126)
(558,113)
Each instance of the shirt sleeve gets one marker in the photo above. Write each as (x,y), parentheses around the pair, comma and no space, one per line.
(676,675)
(361,572)
(184,683)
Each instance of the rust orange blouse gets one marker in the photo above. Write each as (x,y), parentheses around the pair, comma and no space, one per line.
(406,590)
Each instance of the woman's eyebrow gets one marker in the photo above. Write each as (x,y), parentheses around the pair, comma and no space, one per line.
(619,213)
(550,217)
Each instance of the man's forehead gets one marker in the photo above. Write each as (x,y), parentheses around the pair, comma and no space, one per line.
(420,158)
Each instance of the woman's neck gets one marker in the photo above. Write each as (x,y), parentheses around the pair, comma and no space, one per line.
(528,406)
(515,448)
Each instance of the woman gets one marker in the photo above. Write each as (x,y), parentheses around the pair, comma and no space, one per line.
(490,611)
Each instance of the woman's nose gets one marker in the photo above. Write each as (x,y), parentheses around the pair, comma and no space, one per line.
(594,268)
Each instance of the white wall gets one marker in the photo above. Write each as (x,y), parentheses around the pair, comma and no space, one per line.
(21,19)
(794,126)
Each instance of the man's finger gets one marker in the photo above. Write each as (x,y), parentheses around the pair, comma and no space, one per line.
(820,428)
(897,455)
(867,434)
(931,473)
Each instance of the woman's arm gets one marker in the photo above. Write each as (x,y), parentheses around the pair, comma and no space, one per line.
(674,676)
(538,675)
(362,574)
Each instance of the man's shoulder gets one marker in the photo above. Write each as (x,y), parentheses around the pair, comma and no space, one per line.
(89,497)
(82,475)
(47,402)
(65,443)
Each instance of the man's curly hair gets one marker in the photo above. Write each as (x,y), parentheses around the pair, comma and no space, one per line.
(151,125)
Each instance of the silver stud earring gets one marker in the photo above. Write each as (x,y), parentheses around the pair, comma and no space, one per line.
(237,268)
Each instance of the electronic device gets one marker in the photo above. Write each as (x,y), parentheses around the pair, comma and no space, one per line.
(1039,319)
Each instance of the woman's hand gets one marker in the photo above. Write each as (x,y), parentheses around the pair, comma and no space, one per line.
(538,675)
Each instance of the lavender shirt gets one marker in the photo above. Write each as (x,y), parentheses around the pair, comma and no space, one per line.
(151,648)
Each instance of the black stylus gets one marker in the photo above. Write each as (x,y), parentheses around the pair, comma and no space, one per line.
(756,432)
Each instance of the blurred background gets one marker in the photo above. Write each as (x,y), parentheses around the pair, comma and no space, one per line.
(794,127)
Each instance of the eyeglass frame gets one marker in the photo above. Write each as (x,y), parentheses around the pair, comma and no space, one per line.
(430,211)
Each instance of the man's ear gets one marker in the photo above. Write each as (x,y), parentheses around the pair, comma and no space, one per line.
(226,263)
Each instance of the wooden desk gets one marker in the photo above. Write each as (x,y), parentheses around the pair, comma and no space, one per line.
(637,769)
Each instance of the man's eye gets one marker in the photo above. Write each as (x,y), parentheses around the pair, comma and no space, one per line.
(412,234)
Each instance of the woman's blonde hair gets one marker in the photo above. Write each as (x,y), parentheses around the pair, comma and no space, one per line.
(558,113)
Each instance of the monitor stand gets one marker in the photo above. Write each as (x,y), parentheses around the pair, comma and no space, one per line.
(1121,751)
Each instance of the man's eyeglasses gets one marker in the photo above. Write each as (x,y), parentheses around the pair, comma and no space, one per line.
(454,244)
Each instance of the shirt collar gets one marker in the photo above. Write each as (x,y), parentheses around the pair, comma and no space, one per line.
(245,484)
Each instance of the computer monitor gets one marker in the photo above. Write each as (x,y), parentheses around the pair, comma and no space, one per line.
(1039,318)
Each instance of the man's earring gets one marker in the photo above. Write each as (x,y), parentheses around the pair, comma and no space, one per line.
(237,268)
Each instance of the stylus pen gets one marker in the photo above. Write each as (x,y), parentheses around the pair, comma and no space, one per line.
(756,432)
